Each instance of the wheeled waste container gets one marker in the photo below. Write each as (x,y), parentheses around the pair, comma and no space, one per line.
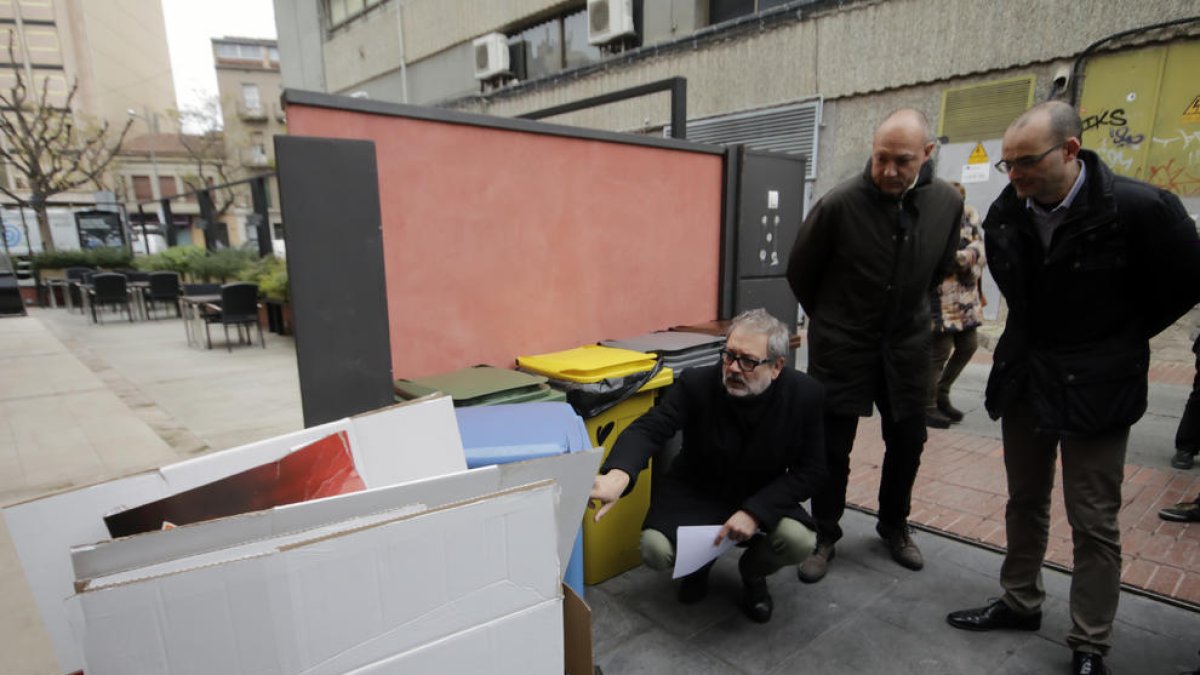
(610,547)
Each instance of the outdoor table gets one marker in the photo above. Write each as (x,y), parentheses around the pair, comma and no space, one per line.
(189,307)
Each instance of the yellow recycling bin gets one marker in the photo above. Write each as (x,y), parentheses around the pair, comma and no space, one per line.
(610,546)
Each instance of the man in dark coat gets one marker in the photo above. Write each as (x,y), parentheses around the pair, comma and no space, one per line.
(863,266)
(752,452)
(1187,438)
(1092,265)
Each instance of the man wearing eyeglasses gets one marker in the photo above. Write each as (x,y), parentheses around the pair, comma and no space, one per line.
(865,263)
(752,452)
(1092,265)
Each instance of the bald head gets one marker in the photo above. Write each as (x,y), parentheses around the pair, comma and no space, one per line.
(1057,120)
(907,120)
(1041,149)
(900,147)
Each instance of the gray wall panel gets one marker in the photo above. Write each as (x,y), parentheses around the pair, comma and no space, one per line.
(329,196)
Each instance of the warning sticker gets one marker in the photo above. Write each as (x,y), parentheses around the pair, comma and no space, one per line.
(1192,112)
(978,155)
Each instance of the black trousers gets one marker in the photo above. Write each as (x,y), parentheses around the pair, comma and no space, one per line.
(903,442)
(1188,436)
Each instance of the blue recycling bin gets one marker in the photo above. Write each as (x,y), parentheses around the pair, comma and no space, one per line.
(500,434)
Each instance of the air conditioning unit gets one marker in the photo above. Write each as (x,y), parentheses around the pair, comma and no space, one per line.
(609,20)
(491,56)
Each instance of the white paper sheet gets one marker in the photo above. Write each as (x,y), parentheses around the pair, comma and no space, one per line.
(694,548)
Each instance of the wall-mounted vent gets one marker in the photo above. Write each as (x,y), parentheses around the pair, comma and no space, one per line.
(980,112)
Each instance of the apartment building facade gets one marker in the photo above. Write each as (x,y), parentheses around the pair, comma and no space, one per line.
(807,76)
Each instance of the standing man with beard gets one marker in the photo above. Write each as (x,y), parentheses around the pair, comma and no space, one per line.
(1092,266)
(752,452)
(864,264)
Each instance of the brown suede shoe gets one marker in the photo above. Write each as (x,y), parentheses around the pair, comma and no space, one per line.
(901,546)
(813,569)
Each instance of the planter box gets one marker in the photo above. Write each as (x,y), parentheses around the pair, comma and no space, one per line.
(276,316)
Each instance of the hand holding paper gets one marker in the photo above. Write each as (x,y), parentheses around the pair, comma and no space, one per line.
(696,546)
(740,527)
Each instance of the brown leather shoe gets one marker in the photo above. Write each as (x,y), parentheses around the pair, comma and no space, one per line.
(900,544)
(813,569)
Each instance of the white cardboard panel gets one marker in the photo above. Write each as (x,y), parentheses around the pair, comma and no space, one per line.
(572,473)
(338,603)
(393,445)
(45,529)
(524,643)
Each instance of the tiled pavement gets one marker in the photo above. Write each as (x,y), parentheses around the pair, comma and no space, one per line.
(155,400)
(961,491)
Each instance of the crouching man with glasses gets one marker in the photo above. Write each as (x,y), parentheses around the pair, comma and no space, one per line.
(753,450)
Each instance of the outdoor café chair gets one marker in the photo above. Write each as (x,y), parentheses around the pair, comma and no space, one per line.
(109,289)
(164,287)
(239,308)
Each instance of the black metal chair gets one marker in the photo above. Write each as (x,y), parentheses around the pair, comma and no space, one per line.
(164,287)
(76,279)
(239,308)
(109,289)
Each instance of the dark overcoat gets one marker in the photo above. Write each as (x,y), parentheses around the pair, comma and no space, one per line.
(764,455)
(1123,265)
(863,267)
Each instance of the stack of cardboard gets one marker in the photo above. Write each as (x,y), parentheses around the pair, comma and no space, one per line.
(410,563)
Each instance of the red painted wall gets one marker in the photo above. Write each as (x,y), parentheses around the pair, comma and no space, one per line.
(502,243)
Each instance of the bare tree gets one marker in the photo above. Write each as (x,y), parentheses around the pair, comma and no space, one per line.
(202,136)
(43,142)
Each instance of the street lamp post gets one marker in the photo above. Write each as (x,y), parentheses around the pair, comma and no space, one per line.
(151,120)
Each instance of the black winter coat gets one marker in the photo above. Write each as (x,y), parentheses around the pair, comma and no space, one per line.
(1123,265)
(765,455)
(863,266)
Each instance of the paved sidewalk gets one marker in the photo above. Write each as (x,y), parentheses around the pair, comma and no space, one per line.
(82,403)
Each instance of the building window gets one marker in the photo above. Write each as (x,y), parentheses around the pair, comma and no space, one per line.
(167,186)
(557,45)
(239,52)
(250,98)
(341,11)
(575,35)
(720,11)
(142,191)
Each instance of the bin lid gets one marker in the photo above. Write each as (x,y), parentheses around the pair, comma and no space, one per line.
(587,364)
(669,343)
(523,424)
(475,385)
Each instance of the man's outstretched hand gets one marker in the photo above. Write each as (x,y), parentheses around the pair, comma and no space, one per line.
(607,489)
(740,527)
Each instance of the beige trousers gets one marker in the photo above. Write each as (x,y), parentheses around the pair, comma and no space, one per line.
(1093,468)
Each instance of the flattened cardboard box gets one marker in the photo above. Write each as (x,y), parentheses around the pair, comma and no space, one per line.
(412,594)
(410,441)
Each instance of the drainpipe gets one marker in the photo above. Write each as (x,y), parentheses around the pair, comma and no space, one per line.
(403,58)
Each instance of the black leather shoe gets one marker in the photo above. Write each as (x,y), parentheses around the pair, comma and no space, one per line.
(996,616)
(1087,663)
(756,600)
(935,419)
(694,586)
(950,411)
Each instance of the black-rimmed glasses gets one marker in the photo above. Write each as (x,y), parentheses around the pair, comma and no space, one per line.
(744,362)
(1026,162)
